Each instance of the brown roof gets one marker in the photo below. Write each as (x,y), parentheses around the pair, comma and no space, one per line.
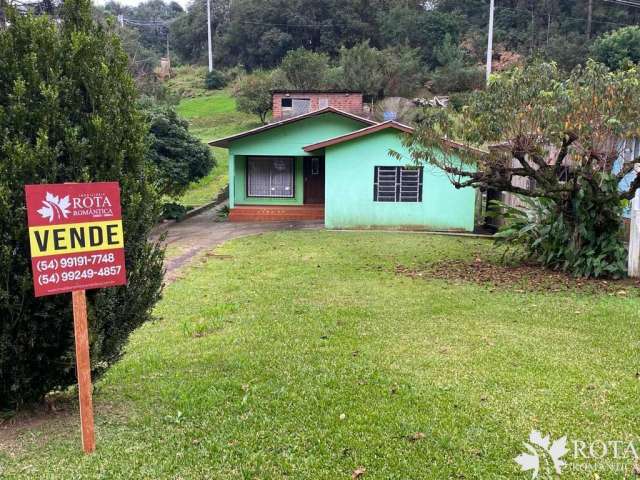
(359,133)
(224,142)
(297,92)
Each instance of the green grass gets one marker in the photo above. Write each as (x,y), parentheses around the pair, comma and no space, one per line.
(305,356)
(188,81)
(202,107)
(211,117)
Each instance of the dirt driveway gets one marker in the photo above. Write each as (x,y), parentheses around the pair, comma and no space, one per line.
(186,240)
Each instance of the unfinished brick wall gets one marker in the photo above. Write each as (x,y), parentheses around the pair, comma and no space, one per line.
(347,102)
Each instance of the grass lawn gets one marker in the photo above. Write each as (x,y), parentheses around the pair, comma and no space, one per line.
(211,117)
(304,355)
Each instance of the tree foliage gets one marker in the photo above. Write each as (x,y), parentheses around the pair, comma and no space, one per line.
(253,92)
(562,135)
(179,158)
(68,114)
(619,48)
(361,69)
(425,30)
(304,69)
(188,32)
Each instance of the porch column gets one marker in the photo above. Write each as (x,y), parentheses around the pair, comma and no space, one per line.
(232,177)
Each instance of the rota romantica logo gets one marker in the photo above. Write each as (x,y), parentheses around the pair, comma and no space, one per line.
(55,207)
(543,455)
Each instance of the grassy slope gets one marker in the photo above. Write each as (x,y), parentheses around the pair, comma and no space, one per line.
(257,357)
(212,114)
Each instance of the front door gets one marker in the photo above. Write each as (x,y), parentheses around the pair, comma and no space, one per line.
(313,170)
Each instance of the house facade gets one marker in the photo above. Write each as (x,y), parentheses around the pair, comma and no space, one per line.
(335,166)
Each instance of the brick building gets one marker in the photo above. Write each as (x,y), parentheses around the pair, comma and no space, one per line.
(290,103)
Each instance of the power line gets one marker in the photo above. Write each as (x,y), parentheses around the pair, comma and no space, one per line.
(628,3)
(571,18)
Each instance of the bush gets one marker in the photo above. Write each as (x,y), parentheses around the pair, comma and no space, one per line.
(457,78)
(177,157)
(215,80)
(69,114)
(457,101)
(173,211)
(540,232)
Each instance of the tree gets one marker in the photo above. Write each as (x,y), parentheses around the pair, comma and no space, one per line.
(619,48)
(455,73)
(179,157)
(362,69)
(152,17)
(69,114)
(253,93)
(188,32)
(562,137)
(259,33)
(403,71)
(304,69)
(419,28)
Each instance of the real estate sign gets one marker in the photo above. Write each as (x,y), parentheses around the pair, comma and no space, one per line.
(76,236)
(77,243)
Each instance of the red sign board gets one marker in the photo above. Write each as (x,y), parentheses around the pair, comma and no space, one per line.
(76,236)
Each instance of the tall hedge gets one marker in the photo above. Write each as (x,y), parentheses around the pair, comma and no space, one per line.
(68,114)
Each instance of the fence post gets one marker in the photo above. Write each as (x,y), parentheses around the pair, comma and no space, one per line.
(634,237)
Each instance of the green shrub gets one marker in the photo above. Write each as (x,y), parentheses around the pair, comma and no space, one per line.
(457,78)
(587,243)
(178,157)
(173,211)
(215,80)
(459,100)
(68,114)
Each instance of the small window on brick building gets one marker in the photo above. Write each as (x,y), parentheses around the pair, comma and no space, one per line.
(287,103)
(323,102)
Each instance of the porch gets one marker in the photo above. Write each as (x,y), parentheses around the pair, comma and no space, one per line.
(276,188)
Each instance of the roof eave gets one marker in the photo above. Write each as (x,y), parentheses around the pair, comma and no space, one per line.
(225,142)
(314,147)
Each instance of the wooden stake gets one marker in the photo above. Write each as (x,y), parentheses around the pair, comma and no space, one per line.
(83,369)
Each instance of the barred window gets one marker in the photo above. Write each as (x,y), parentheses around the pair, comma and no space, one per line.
(270,177)
(397,184)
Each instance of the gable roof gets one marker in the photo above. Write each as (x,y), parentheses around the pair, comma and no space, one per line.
(328,92)
(224,142)
(359,133)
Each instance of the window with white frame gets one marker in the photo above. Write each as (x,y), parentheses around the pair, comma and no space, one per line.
(270,177)
(397,184)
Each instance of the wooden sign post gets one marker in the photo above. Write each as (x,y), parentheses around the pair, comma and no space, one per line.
(83,366)
(77,243)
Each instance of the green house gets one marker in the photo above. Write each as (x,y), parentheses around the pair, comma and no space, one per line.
(335,166)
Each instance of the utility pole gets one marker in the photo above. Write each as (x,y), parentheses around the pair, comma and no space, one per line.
(209,34)
(490,42)
(589,18)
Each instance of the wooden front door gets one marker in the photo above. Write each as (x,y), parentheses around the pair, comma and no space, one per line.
(313,170)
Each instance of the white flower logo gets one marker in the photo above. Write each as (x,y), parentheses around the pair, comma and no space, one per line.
(55,207)
(550,454)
